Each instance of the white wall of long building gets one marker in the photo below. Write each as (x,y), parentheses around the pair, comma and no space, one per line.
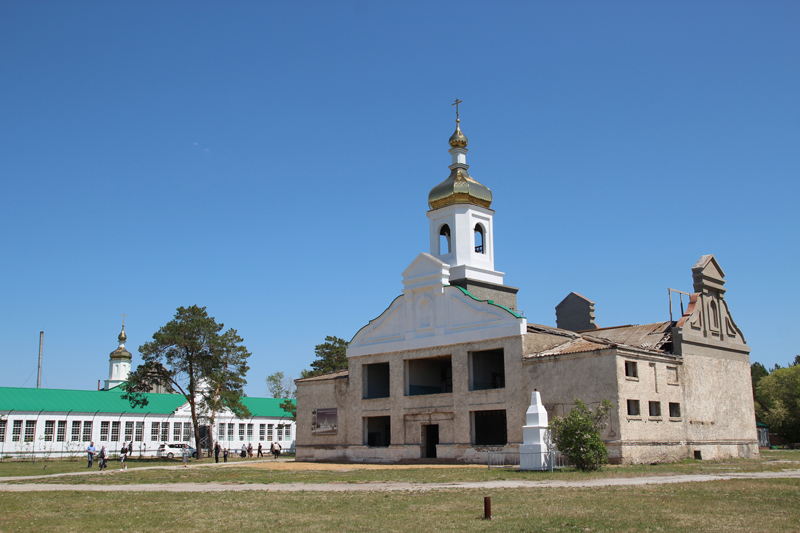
(59,435)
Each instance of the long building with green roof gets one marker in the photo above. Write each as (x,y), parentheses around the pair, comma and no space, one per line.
(53,423)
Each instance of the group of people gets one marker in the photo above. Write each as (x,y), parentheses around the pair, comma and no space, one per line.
(102,455)
(246,451)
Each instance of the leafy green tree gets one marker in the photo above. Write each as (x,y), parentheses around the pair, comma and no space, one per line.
(280,386)
(283,387)
(331,357)
(188,355)
(577,435)
(226,382)
(780,394)
(757,373)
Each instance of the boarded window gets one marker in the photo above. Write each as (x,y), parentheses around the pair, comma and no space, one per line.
(376,380)
(489,428)
(432,375)
(378,431)
(633,408)
(487,370)
(672,375)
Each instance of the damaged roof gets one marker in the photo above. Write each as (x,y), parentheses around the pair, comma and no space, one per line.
(323,377)
(656,337)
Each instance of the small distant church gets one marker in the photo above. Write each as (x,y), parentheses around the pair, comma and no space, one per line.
(447,370)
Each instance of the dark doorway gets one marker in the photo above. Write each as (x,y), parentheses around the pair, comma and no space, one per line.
(430,438)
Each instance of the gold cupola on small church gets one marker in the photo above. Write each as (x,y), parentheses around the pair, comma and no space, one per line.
(459,187)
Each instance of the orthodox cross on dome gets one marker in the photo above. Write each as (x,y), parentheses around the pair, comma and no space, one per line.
(456,104)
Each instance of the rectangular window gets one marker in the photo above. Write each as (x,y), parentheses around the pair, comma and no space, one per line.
(431,375)
(114,431)
(187,431)
(128,431)
(674,410)
(165,431)
(16,431)
(377,431)
(672,375)
(249,432)
(487,370)
(176,431)
(76,431)
(280,432)
(631,369)
(61,432)
(2,430)
(49,430)
(30,430)
(633,408)
(375,380)
(221,432)
(155,431)
(104,431)
(489,428)
(139,431)
(270,432)
(655,409)
(241,432)
(262,431)
(87,431)
(230,431)
(287,432)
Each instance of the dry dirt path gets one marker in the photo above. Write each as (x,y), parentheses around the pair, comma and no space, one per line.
(380,486)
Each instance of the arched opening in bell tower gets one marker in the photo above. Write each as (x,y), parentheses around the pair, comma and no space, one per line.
(479,249)
(444,240)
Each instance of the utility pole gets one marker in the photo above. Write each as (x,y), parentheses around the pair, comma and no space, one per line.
(39,374)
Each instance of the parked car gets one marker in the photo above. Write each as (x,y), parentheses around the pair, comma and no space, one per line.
(171,450)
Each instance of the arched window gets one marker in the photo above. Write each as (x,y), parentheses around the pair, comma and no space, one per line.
(479,239)
(714,314)
(444,240)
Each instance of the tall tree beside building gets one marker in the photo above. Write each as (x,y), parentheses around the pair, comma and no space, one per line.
(226,383)
(282,387)
(779,394)
(331,357)
(189,355)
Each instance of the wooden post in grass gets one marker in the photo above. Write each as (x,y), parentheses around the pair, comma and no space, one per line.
(487,507)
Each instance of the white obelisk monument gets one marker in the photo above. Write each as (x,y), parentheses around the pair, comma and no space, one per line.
(533,453)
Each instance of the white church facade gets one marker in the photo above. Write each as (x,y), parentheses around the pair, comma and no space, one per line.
(447,371)
(58,423)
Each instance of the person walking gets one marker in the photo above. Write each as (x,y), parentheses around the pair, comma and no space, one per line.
(90,450)
(122,456)
(225,455)
(260,450)
(101,459)
(250,450)
(216,451)
(185,454)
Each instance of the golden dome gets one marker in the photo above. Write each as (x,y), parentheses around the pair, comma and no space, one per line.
(459,188)
(458,139)
(122,337)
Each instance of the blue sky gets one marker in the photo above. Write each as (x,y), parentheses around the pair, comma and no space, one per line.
(272,160)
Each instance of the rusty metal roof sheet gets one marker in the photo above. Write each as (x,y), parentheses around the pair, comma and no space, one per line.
(645,336)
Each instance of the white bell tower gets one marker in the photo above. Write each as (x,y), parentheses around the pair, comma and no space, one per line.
(119,365)
(461,227)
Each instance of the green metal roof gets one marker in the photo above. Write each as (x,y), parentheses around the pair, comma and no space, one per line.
(111,401)
(270,407)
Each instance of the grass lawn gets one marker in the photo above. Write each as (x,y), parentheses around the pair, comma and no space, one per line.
(307,473)
(735,505)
